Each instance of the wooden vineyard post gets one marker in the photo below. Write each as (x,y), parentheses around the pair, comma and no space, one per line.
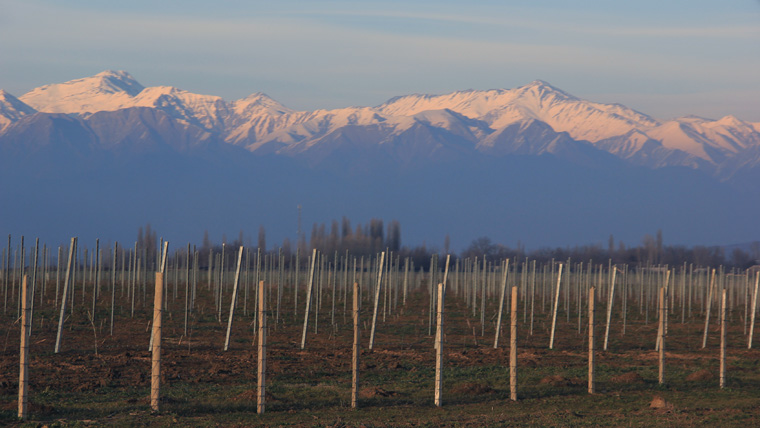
(262,349)
(308,298)
(723,339)
(513,348)
(65,296)
(377,300)
(23,270)
(162,267)
(23,380)
(609,308)
(355,358)
(155,375)
(661,338)
(6,266)
(33,284)
(95,282)
(501,304)
(707,315)
(445,277)
(754,311)
(234,298)
(113,282)
(554,312)
(406,278)
(665,323)
(439,348)
(591,344)
(187,288)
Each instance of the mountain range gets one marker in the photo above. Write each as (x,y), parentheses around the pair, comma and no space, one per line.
(525,159)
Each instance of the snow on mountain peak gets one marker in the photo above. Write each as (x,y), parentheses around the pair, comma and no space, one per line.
(256,102)
(8,101)
(12,109)
(108,90)
(119,80)
(539,100)
(471,103)
(541,88)
(207,111)
(258,120)
(257,97)
(731,120)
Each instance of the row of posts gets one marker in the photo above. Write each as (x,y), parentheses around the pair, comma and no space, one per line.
(440,295)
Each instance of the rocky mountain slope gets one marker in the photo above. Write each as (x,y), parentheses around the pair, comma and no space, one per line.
(532,163)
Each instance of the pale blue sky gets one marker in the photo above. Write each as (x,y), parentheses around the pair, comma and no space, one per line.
(666,58)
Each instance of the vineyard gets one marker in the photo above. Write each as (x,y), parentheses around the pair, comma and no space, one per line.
(251,338)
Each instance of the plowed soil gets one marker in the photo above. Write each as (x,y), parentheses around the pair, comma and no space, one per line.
(100,378)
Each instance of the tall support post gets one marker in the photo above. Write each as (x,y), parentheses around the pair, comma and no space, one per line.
(96,279)
(446,270)
(483,290)
(445,278)
(406,278)
(377,300)
(707,311)
(439,348)
(609,308)
(683,294)
(57,278)
(280,265)
(33,284)
(220,288)
(296,282)
(155,375)
(723,339)
(65,296)
(661,340)
(513,348)
(356,350)
(501,304)
(308,298)
(532,296)
(554,312)
(113,282)
(665,323)
(162,264)
(23,379)
(234,298)
(7,266)
(262,353)
(187,288)
(754,311)
(591,344)
(21,273)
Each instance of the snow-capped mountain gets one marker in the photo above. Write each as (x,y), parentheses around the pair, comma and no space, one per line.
(256,116)
(107,154)
(12,109)
(105,91)
(533,119)
(583,120)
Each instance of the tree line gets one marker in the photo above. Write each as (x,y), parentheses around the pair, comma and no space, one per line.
(375,236)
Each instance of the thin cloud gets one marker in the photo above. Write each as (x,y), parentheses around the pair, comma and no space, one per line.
(592,26)
(320,52)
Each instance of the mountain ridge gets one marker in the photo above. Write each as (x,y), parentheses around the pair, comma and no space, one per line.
(527,163)
(263,125)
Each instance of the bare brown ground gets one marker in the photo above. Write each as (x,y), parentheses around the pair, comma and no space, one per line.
(122,360)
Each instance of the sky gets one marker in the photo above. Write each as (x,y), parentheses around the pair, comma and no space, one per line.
(664,58)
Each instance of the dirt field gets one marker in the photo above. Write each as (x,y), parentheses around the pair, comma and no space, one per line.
(101,379)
